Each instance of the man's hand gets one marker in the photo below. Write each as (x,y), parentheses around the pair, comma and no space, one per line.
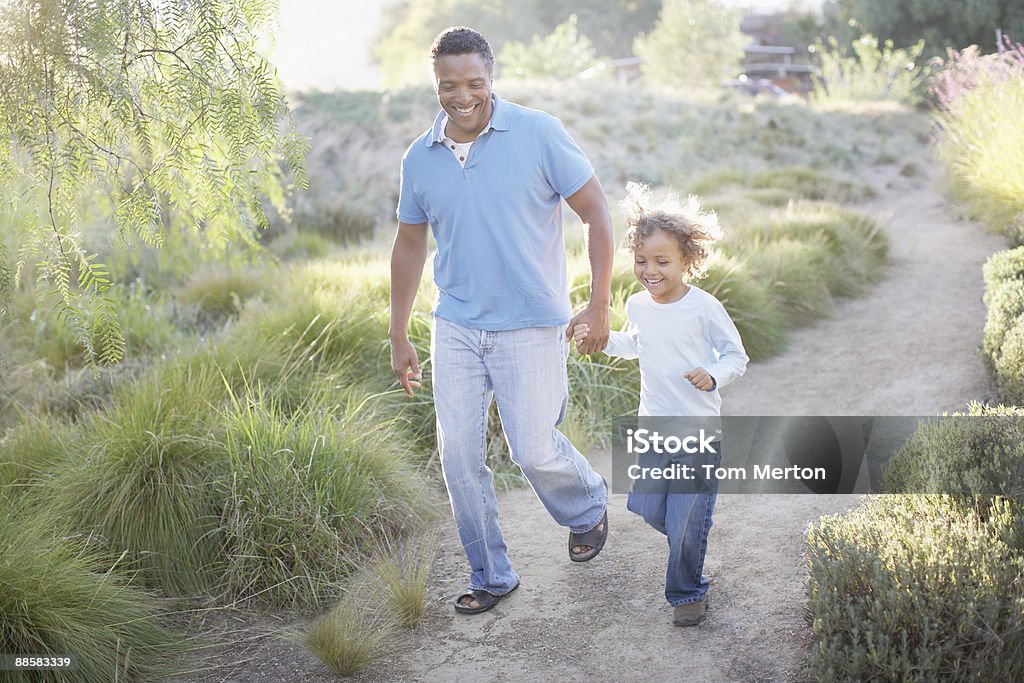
(405,364)
(700,378)
(595,318)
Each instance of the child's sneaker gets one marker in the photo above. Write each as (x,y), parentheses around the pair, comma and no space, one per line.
(690,614)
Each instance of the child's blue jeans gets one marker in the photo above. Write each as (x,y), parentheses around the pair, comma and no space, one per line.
(684,517)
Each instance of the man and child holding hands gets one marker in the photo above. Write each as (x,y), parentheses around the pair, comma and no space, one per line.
(488,179)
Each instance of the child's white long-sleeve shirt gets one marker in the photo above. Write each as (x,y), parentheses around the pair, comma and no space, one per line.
(673,339)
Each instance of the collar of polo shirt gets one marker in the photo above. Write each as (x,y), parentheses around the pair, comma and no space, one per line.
(500,118)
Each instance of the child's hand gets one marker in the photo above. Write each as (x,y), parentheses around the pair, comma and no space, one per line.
(579,333)
(700,378)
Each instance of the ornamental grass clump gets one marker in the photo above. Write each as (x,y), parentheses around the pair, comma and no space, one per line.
(350,637)
(59,598)
(306,492)
(981,133)
(30,451)
(918,588)
(142,479)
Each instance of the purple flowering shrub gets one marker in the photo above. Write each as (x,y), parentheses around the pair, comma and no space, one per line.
(963,70)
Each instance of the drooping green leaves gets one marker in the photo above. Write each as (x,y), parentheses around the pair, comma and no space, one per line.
(145,117)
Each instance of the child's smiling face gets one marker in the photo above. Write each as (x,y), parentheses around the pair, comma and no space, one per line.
(659,264)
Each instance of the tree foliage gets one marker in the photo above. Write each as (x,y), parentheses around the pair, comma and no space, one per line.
(410,26)
(868,72)
(156,115)
(562,53)
(940,23)
(694,41)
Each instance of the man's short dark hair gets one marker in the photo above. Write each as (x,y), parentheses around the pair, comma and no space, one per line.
(461,40)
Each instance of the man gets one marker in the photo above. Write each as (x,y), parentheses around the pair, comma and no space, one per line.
(488,178)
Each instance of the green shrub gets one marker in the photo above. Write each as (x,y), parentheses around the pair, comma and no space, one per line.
(1005,265)
(219,293)
(693,42)
(305,493)
(142,479)
(1009,364)
(918,588)
(563,53)
(981,135)
(57,598)
(1003,342)
(868,73)
(980,454)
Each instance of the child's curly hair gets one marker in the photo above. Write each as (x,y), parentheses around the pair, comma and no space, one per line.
(694,229)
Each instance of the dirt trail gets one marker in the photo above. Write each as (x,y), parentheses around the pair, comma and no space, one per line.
(907,347)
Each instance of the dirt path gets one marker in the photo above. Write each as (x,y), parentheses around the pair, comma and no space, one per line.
(907,347)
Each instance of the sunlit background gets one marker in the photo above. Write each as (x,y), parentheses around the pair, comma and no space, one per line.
(325,45)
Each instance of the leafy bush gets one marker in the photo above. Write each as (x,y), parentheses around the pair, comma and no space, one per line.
(869,73)
(693,42)
(918,588)
(1009,364)
(564,52)
(1003,343)
(940,23)
(977,455)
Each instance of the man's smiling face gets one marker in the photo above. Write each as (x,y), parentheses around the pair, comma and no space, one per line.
(463,84)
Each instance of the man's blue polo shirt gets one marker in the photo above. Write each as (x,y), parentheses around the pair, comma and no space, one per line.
(500,261)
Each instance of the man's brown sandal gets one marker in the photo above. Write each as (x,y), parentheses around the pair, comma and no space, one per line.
(484,599)
(594,539)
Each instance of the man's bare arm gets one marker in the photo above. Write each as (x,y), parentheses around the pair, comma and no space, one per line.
(591,206)
(408,254)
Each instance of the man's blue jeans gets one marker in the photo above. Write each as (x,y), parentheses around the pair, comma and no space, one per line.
(685,518)
(524,372)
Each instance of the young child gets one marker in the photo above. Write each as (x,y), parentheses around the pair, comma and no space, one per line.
(689,349)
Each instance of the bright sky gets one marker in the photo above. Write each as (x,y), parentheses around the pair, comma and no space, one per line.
(326,44)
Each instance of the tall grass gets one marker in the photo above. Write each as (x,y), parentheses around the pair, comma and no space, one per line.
(30,452)
(142,480)
(305,493)
(219,292)
(980,142)
(350,637)
(55,599)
